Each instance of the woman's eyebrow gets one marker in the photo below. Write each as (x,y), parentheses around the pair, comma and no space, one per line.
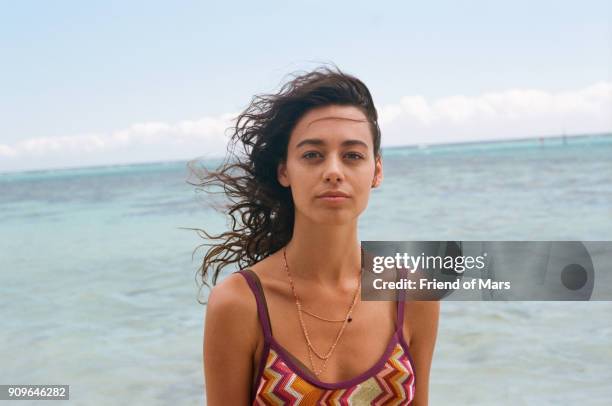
(320,142)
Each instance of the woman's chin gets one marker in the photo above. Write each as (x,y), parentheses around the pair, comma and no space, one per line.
(335,218)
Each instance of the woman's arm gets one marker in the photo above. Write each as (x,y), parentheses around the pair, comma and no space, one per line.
(229,342)
(422,318)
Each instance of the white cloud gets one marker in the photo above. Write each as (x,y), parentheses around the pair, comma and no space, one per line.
(514,113)
(141,141)
(417,107)
(7,151)
(63,144)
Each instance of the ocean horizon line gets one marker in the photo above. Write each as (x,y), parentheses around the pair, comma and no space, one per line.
(539,141)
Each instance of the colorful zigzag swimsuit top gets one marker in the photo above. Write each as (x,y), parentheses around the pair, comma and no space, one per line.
(283,380)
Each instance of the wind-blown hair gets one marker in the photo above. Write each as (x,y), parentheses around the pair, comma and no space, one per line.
(261,209)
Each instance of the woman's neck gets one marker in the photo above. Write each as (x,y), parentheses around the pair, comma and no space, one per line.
(328,255)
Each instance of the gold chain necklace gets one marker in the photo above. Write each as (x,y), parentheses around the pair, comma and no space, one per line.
(298,304)
(324,319)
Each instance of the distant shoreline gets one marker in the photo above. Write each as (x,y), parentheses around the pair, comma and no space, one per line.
(432,147)
(506,140)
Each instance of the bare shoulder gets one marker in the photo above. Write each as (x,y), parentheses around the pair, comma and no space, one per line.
(421,319)
(230,339)
(232,298)
(234,292)
(421,307)
(232,311)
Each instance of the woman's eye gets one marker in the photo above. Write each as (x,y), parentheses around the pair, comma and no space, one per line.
(311,154)
(354,156)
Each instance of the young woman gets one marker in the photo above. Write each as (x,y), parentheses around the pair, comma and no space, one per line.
(289,327)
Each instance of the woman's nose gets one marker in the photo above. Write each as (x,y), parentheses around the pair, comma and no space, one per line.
(333,171)
(334,178)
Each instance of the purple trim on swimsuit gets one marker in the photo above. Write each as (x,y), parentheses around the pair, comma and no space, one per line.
(261,308)
(262,314)
(372,371)
(399,321)
(270,342)
(400,317)
(262,366)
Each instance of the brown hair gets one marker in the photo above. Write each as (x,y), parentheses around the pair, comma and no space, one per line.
(261,209)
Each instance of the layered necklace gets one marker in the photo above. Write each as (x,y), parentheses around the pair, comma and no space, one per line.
(345,320)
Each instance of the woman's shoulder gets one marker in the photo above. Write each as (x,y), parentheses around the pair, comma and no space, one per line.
(234,291)
(417,307)
(421,319)
(232,299)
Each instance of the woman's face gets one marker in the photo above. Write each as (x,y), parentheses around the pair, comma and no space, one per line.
(331,151)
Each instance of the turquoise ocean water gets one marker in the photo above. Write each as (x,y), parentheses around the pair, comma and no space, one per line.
(98,283)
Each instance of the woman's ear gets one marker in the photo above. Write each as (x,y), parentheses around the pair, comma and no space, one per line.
(378,172)
(281,174)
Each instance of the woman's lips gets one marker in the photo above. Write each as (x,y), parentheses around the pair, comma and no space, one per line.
(333,199)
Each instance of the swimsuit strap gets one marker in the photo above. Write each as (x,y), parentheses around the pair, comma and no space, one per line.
(401,295)
(262,307)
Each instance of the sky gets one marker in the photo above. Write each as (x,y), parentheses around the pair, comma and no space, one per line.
(116,82)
